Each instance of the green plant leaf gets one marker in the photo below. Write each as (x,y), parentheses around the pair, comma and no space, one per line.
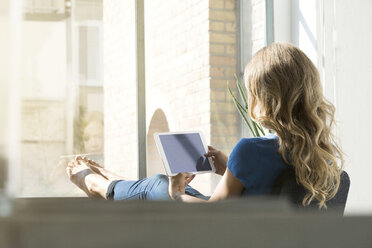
(254,124)
(260,128)
(242,92)
(247,121)
(255,128)
(241,110)
(237,102)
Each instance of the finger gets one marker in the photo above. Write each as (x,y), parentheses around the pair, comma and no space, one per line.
(177,177)
(68,170)
(180,178)
(210,154)
(189,179)
(188,175)
(95,163)
(78,157)
(211,148)
(187,182)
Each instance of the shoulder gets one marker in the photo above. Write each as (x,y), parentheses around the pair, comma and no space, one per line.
(254,160)
(253,152)
(250,146)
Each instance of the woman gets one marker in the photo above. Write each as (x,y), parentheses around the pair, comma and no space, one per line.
(285,96)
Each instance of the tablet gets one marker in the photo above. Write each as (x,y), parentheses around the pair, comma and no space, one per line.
(183,152)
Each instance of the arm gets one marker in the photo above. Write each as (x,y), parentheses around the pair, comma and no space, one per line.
(228,187)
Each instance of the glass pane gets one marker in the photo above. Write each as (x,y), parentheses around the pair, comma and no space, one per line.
(62,93)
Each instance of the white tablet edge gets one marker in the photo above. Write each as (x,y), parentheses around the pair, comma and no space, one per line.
(164,158)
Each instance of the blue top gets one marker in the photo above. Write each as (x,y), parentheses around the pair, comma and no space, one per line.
(257,163)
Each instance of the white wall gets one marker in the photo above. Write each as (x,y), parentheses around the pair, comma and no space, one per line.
(348,68)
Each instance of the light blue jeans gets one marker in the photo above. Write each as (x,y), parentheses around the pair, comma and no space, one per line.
(154,188)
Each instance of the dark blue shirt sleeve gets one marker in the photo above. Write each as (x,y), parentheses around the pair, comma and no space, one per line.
(239,165)
(257,164)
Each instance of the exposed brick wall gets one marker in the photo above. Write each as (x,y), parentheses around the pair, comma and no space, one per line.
(224,119)
(177,62)
(223,63)
(258,24)
(120,87)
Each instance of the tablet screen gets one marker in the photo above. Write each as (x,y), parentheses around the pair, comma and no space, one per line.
(185,152)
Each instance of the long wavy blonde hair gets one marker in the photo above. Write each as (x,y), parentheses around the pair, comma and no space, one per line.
(284,85)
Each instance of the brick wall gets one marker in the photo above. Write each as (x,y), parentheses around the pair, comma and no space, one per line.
(120,87)
(258,24)
(224,119)
(223,64)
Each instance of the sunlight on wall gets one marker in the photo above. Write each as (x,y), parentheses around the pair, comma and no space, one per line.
(307,28)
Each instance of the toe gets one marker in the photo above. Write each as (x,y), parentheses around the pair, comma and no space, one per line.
(95,163)
(70,164)
(69,171)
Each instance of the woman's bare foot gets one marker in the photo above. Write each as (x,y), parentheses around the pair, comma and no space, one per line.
(93,184)
(97,168)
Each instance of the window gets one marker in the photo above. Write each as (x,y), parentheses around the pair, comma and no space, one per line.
(61,101)
(77,99)
(297,22)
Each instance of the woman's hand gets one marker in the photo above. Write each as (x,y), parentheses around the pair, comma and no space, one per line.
(219,159)
(178,183)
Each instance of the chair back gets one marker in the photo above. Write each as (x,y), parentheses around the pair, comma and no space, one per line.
(286,185)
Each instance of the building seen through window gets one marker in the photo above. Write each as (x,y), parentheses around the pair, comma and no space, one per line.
(62,92)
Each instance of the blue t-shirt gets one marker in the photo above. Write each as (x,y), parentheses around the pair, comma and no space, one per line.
(257,163)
